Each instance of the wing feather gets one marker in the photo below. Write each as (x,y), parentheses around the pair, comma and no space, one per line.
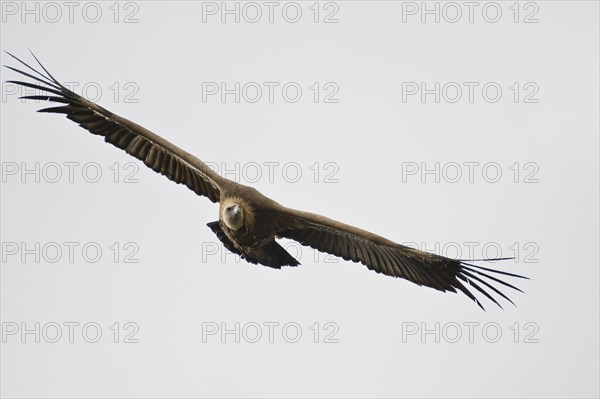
(157,153)
(390,258)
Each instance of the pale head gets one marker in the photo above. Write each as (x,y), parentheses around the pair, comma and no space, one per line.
(232,215)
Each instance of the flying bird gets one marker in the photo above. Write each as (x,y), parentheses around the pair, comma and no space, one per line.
(249,222)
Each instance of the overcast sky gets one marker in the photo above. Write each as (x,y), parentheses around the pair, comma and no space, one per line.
(467,130)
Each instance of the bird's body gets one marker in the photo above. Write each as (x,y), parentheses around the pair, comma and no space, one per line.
(253,237)
(249,222)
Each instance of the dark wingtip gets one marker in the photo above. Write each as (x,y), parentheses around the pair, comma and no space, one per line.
(499,272)
(474,275)
(56,110)
(9,53)
(480,305)
(45,70)
(485,259)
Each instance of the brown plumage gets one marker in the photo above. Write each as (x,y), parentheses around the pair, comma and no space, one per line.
(249,222)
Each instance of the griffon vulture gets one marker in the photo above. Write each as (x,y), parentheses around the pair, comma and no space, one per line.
(248,221)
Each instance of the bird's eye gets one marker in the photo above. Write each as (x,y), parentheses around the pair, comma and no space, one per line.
(229,208)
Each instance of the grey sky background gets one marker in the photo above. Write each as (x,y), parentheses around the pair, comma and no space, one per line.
(361,149)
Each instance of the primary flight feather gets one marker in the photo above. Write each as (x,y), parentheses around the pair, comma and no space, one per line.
(248,221)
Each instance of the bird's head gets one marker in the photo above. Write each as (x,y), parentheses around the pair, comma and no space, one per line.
(233,216)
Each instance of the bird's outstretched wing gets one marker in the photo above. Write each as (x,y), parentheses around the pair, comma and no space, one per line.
(392,259)
(156,152)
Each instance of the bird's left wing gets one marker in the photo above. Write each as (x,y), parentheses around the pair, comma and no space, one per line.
(157,153)
(387,257)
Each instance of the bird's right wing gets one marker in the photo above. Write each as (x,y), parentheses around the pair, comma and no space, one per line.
(157,153)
